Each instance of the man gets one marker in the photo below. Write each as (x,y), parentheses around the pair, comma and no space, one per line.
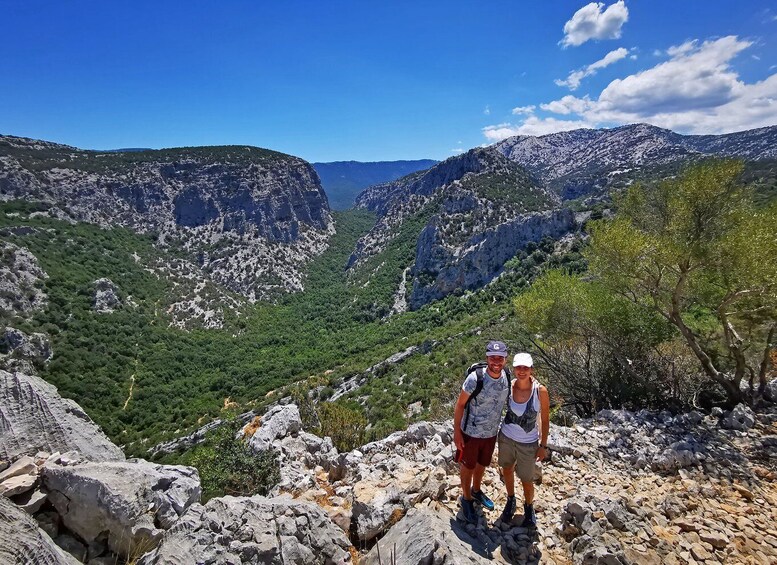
(476,424)
(520,441)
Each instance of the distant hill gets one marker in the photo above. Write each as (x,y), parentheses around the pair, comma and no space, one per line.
(343,180)
(585,162)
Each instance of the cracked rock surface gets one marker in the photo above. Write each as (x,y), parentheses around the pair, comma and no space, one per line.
(252,530)
(21,541)
(34,417)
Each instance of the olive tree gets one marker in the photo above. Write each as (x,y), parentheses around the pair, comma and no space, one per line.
(695,250)
(598,350)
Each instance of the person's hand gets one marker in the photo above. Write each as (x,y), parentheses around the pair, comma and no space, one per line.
(541,454)
(458,440)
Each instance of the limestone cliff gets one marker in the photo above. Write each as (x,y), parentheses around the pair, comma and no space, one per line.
(252,217)
(478,210)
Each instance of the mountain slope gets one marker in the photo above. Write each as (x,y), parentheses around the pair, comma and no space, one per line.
(474,212)
(579,162)
(249,218)
(343,180)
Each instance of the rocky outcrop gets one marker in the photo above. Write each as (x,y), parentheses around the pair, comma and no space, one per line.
(478,210)
(105,296)
(21,541)
(21,281)
(440,269)
(252,530)
(251,216)
(624,487)
(437,538)
(33,418)
(22,352)
(280,430)
(124,504)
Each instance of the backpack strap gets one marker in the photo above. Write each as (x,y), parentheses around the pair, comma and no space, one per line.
(478,387)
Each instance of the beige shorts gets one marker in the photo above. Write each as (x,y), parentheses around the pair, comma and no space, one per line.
(522,455)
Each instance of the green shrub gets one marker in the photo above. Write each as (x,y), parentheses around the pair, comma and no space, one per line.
(227,465)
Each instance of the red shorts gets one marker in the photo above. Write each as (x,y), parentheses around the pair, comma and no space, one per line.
(477,451)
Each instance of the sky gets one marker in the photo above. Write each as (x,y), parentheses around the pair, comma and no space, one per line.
(375,81)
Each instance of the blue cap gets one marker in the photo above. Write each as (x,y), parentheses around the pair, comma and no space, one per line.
(496,348)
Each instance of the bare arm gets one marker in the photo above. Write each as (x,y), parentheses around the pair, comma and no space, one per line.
(458,414)
(545,417)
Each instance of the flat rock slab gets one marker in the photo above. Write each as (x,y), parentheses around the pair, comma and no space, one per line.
(428,536)
(17,485)
(252,530)
(22,466)
(22,541)
(30,501)
(34,417)
(134,501)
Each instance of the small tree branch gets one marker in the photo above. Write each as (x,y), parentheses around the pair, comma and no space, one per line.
(765,360)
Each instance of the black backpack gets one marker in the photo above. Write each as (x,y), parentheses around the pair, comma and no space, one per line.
(480,371)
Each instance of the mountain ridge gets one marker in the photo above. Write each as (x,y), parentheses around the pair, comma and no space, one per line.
(580,162)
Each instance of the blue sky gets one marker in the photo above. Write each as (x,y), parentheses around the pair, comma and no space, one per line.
(367,81)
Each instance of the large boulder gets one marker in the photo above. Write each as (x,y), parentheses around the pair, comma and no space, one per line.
(106,296)
(22,352)
(133,502)
(299,452)
(740,418)
(252,530)
(21,279)
(278,423)
(22,541)
(34,417)
(427,536)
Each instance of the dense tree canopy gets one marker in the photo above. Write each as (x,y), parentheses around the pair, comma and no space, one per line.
(695,250)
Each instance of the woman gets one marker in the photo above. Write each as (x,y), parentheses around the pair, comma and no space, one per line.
(520,441)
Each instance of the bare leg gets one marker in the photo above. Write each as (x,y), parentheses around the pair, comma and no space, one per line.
(466,481)
(528,492)
(509,476)
(477,476)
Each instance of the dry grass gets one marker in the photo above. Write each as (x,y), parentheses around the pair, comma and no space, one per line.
(251,428)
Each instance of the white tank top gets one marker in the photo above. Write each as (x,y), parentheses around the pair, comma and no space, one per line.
(522,422)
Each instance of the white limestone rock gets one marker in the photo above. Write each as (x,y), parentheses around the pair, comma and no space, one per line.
(427,536)
(252,530)
(34,417)
(106,296)
(22,541)
(134,501)
(20,281)
(740,418)
(22,352)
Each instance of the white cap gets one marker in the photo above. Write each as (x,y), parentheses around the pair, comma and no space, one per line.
(522,360)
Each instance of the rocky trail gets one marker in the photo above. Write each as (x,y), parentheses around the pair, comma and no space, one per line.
(620,488)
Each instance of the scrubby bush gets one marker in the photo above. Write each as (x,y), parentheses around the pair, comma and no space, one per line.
(227,465)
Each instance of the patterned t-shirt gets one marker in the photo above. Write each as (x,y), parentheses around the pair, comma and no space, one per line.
(485,410)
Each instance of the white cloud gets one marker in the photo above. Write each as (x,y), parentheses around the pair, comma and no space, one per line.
(524,110)
(696,77)
(574,78)
(457,150)
(591,22)
(487,111)
(568,105)
(532,125)
(696,91)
